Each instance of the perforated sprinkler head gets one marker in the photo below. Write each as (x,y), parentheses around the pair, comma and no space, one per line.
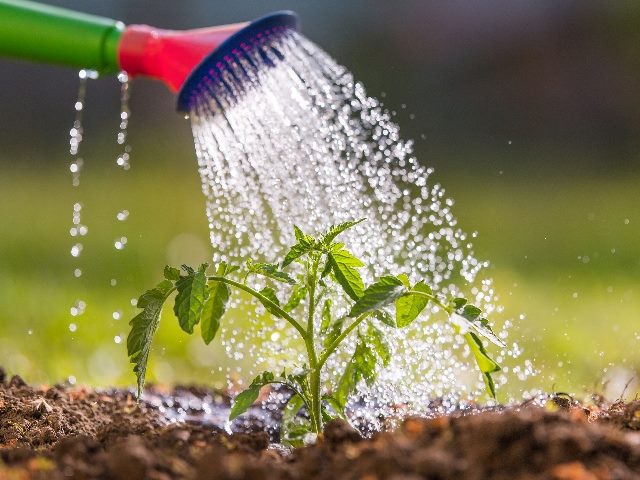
(249,39)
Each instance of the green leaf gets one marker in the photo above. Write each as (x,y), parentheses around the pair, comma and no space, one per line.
(458,302)
(365,361)
(471,312)
(326,415)
(335,405)
(385,317)
(214,309)
(326,270)
(377,295)
(305,244)
(485,363)
(245,399)
(291,409)
(380,346)
(463,325)
(362,366)
(294,437)
(300,236)
(225,269)
(403,277)
(409,306)
(299,379)
(152,295)
(346,386)
(171,273)
(297,295)
(192,294)
(471,321)
(143,327)
(326,316)
(297,251)
(269,270)
(345,269)
(292,428)
(489,386)
(336,230)
(270,294)
(334,331)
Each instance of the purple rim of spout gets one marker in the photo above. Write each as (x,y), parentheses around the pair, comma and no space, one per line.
(212,64)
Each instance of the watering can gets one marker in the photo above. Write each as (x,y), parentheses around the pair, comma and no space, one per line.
(43,33)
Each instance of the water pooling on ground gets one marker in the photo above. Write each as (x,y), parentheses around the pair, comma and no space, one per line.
(302,142)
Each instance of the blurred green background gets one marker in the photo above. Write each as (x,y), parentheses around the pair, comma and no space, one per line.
(529,111)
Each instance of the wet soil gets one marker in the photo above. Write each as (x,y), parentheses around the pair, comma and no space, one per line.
(62,432)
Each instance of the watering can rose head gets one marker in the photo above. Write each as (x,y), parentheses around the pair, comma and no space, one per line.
(328,275)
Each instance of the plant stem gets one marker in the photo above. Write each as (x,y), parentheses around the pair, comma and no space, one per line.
(307,337)
(316,398)
(311,285)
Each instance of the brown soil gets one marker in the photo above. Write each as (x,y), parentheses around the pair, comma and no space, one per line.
(60,432)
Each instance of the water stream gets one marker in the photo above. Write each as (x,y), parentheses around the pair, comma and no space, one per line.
(78,229)
(286,135)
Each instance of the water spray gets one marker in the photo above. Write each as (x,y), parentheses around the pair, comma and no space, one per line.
(179,59)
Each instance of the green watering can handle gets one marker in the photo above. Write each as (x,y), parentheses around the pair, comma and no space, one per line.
(32,31)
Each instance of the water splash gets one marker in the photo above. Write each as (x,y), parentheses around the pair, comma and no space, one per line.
(300,141)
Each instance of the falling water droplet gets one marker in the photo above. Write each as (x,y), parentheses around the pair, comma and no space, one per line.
(123,160)
(122,215)
(75,133)
(76,250)
(120,243)
(78,308)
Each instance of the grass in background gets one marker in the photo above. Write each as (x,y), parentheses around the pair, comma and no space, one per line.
(564,252)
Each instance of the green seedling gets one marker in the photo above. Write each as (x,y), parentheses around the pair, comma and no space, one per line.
(327,274)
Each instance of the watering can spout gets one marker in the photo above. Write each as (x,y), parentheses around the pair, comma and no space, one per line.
(42,33)
(33,31)
(169,55)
